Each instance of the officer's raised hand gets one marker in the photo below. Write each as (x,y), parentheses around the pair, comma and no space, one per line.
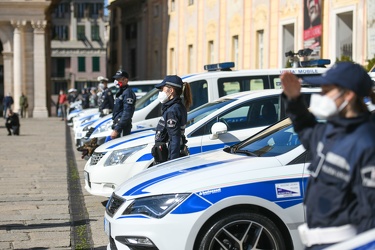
(291,85)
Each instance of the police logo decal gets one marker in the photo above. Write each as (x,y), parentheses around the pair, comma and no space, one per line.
(171,123)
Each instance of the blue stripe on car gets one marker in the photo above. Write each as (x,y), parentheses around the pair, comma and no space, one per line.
(137,190)
(122,142)
(265,190)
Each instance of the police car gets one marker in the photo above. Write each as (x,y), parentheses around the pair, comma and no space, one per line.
(212,126)
(246,196)
(218,81)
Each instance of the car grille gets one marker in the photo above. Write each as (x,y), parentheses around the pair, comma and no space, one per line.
(95,157)
(113,204)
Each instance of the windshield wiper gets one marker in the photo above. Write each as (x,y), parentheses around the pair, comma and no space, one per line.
(246,152)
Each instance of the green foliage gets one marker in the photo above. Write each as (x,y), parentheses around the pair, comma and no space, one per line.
(344,59)
(370,64)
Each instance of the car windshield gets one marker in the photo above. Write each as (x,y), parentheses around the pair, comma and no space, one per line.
(202,111)
(146,99)
(275,140)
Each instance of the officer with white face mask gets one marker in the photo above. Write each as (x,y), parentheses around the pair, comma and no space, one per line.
(340,195)
(170,141)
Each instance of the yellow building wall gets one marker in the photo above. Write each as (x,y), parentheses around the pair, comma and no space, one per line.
(220,20)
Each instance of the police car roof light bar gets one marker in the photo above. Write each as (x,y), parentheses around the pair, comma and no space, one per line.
(296,63)
(225,66)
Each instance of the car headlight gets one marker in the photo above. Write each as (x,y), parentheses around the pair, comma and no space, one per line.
(119,156)
(104,127)
(155,206)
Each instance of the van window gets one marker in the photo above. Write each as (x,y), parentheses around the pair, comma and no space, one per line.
(230,85)
(199,91)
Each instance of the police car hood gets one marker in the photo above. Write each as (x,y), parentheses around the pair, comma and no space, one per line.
(204,172)
(132,140)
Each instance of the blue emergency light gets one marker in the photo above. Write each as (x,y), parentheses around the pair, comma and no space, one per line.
(316,63)
(225,66)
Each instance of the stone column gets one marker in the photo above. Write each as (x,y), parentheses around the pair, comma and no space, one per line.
(8,72)
(40,88)
(18,61)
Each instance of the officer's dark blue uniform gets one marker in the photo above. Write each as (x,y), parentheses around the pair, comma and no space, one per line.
(171,127)
(107,101)
(341,188)
(124,107)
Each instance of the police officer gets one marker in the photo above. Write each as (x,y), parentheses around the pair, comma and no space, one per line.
(170,141)
(124,106)
(340,195)
(106,103)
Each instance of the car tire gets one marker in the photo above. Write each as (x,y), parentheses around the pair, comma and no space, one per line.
(241,230)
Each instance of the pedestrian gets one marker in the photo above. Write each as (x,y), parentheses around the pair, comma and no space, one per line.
(340,194)
(7,104)
(23,105)
(12,123)
(93,98)
(124,106)
(63,101)
(170,140)
(106,98)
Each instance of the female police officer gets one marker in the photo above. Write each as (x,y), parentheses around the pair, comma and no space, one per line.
(340,195)
(170,141)
(124,106)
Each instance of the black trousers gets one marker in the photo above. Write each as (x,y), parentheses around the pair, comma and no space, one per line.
(10,127)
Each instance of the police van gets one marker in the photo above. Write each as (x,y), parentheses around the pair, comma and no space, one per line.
(218,80)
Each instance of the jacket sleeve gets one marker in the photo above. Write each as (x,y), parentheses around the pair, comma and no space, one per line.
(364,191)
(304,122)
(173,125)
(129,100)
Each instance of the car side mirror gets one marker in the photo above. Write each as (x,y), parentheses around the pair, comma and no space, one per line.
(217,129)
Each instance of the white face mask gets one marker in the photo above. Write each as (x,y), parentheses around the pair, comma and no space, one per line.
(163,97)
(323,107)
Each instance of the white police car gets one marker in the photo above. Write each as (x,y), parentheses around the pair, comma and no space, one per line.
(218,81)
(212,126)
(246,196)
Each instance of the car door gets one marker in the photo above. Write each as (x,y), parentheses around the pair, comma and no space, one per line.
(242,121)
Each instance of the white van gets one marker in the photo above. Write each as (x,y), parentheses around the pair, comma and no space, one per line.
(218,80)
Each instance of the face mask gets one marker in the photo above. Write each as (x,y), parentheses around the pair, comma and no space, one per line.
(323,107)
(163,97)
(118,84)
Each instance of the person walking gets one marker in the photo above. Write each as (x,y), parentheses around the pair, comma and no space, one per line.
(340,194)
(62,104)
(124,106)
(23,105)
(7,104)
(170,140)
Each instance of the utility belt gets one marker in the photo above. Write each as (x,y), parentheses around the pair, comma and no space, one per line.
(160,152)
(327,235)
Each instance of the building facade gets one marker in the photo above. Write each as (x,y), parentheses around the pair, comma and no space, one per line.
(158,37)
(24,53)
(78,44)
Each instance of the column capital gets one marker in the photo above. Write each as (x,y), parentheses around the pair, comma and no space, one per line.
(18,24)
(39,25)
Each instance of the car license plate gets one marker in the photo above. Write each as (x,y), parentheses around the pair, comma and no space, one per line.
(107,227)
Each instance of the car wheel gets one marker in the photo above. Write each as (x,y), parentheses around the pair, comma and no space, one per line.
(242,231)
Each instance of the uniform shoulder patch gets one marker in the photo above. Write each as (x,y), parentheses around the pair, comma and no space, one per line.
(368,176)
(130,100)
(171,123)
